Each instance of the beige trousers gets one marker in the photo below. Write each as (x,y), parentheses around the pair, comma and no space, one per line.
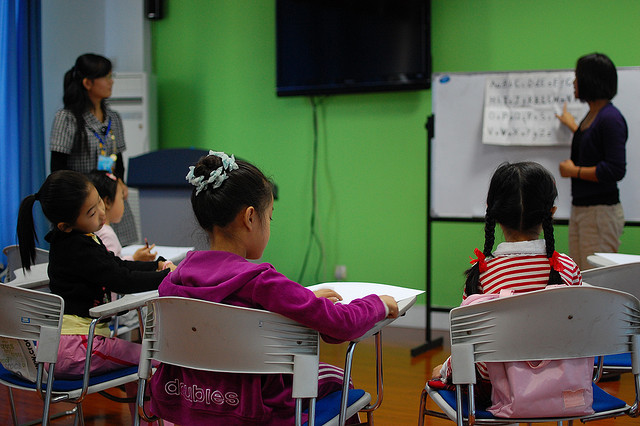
(594,229)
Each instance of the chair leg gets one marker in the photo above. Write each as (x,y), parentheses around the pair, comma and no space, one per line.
(423,405)
(13,407)
(369,418)
(79,419)
(345,383)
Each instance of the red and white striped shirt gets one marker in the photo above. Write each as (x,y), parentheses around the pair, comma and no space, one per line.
(512,267)
(520,267)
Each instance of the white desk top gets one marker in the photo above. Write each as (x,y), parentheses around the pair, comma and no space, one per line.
(608,259)
(174,254)
(36,277)
(125,303)
(406,297)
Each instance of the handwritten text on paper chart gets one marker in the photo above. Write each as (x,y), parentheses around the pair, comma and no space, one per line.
(521,108)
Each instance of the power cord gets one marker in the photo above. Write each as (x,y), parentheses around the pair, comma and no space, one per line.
(314,236)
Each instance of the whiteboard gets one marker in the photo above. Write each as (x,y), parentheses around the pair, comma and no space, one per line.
(461,165)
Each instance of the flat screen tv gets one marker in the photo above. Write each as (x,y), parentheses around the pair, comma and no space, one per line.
(351,46)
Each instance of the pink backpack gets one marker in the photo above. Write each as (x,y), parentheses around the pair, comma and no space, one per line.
(531,389)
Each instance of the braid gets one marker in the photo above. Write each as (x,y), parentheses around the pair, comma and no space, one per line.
(489,234)
(472,283)
(550,242)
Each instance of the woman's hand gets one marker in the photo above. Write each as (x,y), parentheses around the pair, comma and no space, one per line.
(568,168)
(392,305)
(145,254)
(327,293)
(567,119)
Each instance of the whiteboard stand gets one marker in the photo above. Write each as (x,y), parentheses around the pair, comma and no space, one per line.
(429,343)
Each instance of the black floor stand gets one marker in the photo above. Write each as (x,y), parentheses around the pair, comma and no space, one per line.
(429,342)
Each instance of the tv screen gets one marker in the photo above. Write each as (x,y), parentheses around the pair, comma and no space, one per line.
(349,46)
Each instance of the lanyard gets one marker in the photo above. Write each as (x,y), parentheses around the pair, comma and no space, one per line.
(102,142)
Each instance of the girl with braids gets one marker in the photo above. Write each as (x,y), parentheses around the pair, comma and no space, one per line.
(233,202)
(521,201)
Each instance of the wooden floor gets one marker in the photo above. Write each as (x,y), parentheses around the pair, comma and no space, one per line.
(404,379)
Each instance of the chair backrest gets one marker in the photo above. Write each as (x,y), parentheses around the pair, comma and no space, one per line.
(13,259)
(558,323)
(230,339)
(32,315)
(623,277)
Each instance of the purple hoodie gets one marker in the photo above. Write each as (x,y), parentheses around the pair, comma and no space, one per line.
(187,396)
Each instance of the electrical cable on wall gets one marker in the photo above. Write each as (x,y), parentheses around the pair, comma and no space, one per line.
(314,236)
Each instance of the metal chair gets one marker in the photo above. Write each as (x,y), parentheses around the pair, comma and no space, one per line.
(623,277)
(558,323)
(32,315)
(260,342)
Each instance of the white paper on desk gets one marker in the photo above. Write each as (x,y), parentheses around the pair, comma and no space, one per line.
(174,254)
(355,290)
(619,258)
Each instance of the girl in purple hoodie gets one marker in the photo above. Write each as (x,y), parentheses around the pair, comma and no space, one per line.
(233,202)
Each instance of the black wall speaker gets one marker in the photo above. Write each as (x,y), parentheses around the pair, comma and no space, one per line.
(154,9)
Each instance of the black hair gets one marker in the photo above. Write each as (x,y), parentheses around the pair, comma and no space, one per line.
(521,198)
(244,187)
(597,77)
(76,98)
(105,182)
(61,196)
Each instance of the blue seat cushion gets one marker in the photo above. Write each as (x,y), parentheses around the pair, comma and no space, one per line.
(66,385)
(329,406)
(450,398)
(602,402)
(617,360)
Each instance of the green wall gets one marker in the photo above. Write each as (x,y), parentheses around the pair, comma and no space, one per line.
(215,67)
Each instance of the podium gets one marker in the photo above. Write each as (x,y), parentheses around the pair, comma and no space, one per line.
(166,215)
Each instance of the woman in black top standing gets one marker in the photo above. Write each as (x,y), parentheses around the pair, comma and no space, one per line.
(597,162)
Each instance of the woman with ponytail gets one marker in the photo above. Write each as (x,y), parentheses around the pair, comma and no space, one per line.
(520,201)
(87,134)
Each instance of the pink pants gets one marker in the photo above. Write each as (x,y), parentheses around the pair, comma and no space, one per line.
(108,354)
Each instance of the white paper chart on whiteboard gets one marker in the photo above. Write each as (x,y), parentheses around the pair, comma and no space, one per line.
(521,108)
(461,165)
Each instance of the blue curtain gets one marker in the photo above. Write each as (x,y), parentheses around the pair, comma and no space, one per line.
(22,168)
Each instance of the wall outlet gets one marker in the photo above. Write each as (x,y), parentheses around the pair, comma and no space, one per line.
(341,272)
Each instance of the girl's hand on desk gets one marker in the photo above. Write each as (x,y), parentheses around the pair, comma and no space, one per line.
(145,254)
(327,293)
(392,305)
(166,265)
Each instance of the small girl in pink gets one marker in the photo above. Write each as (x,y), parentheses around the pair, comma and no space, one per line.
(233,202)
(112,192)
(521,200)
